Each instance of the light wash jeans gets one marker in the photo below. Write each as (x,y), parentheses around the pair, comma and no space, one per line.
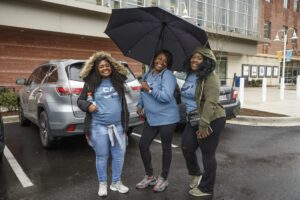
(102,147)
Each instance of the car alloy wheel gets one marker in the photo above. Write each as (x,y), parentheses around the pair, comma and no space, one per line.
(45,136)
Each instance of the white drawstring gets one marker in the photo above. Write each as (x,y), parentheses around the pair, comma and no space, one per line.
(113,131)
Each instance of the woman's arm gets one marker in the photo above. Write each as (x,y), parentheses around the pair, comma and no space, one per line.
(82,103)
(168,84)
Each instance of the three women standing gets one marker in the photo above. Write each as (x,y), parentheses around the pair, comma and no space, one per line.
(161,112)
(201,91)
(106,117)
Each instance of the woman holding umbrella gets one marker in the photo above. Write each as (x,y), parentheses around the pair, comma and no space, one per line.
(201,91)
(103,100)
(161,112)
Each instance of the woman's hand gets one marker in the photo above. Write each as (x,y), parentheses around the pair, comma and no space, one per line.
(140,111)
(145,86)
(92,108)
(202,134)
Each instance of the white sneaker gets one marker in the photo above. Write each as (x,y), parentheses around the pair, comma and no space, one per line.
(118,186)
(195,181)
(102,189)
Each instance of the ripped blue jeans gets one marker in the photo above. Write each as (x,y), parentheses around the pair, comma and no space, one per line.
(102,146)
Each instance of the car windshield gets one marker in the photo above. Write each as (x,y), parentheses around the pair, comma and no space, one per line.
(74,72)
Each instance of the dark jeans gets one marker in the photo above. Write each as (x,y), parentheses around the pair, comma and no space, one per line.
(148,135)
(208,147)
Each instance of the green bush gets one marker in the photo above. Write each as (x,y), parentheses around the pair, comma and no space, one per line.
(8,100)
(255,83)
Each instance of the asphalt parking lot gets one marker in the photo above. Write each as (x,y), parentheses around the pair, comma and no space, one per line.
(254,163)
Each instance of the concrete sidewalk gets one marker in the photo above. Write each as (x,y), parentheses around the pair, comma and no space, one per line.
(290,106)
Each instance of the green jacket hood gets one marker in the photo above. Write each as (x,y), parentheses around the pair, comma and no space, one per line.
(205,52)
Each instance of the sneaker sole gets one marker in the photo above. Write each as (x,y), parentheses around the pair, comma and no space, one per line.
(154,190)
(102,195)
(201,195)
(116,190)
(149,185)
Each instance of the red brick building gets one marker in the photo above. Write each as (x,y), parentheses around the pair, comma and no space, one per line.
(22,50)
(275,16)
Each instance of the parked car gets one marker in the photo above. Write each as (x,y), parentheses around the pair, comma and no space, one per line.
(228,98)
(49,99)
(2,144)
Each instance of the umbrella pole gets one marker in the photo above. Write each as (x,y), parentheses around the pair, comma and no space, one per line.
(161,38)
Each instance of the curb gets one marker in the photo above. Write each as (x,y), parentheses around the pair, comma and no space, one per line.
(10,119)
(239,120)
(265,121)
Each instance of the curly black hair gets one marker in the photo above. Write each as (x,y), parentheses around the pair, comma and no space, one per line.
(117,79)
(204,69)
(168,55)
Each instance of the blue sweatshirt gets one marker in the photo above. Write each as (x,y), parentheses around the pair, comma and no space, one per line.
(160,105)
(188,92)
(108,104)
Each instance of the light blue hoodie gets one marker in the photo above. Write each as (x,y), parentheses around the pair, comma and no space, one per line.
(188,92)
(160,105)
(108,104)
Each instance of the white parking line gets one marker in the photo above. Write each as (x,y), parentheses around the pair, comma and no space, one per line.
(23,178)
(155,140)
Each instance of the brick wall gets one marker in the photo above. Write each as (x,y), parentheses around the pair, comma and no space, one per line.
(279,17)
(22,50)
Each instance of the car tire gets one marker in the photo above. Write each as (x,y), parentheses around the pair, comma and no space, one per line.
(23,121)
(45,133)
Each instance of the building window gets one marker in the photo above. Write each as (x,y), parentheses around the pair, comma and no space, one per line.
(268,1)
(267,30)
(296,5)
(285,3)
(221,69)
(116,4)
(135,3)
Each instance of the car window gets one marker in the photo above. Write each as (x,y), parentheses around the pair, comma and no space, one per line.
(43,72)
(33,77)
(130,75)
(73,71)
(52,75)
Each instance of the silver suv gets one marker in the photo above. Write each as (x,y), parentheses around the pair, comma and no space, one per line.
(49,100)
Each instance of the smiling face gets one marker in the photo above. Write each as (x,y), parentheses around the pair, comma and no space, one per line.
(196,60)
(160,62)
(104,69)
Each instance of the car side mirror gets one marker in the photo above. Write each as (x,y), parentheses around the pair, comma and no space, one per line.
(21,81)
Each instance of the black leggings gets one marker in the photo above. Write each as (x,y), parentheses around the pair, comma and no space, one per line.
(148,135)
(208,147)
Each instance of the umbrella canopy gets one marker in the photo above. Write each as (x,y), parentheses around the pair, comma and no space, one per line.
(141,32)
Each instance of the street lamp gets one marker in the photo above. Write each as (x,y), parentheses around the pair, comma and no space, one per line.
(294,37)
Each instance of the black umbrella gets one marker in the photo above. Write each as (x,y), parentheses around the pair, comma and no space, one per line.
(140,32)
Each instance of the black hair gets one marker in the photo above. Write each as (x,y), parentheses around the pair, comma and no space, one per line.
(168,55)
(117,79)
(204,69)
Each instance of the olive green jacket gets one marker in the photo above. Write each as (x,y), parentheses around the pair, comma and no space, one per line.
(209,107)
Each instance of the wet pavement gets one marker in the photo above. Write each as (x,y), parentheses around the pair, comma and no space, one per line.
(253,163)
